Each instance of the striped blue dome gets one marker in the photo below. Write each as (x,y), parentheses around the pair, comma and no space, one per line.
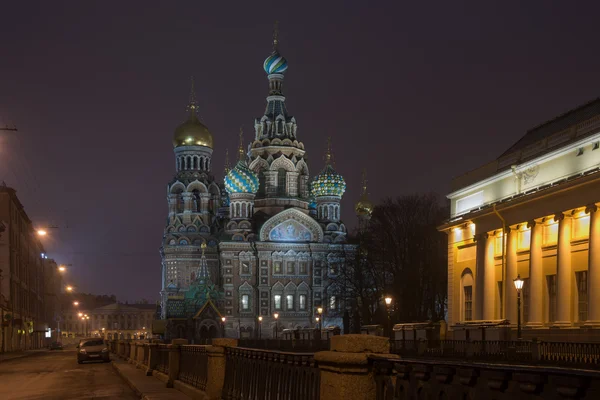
(275,64)
(328,183)
(241,180)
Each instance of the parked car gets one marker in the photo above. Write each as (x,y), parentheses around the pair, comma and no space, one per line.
(56,346)
(92,349)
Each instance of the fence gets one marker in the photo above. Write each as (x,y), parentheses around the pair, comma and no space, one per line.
(162,364)
(262,374)
(294,345)
(450,379)
(585,355)
(193,368)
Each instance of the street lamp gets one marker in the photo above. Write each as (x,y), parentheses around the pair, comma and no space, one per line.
(41,232)
(223,319)
(69,288)
(519,285)
(62,268)
(75,303)
(319,312)
(388,303)
(259,326)
(276,316)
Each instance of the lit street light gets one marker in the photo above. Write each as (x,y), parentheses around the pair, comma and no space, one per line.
(75,303)
(519,285)
(41,232)
(69,288)
(259,326)
(319,312)
(62,268)
(388,303)
(223,319)
(80,315)
(276,316)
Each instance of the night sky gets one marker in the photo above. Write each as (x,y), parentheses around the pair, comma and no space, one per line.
(416,93)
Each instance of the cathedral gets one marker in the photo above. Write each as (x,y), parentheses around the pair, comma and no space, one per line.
(262,250)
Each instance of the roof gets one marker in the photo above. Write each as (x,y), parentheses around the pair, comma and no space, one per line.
(125,307)
(560,123)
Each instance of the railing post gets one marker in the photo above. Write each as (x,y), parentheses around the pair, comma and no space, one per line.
(174,357)
(469,349)
(421,347)
(216,366)
(346,371)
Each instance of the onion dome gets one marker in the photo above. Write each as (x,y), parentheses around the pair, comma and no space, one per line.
(241,179)
(328,183)
(312,203)
(275,64)
(192,132)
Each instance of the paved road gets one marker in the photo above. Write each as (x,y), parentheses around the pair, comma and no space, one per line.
(56,375)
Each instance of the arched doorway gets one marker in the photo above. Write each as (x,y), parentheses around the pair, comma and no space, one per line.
(213,332)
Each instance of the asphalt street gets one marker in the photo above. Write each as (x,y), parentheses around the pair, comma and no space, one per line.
(56,375)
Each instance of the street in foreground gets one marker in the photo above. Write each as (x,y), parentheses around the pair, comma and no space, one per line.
(56,375)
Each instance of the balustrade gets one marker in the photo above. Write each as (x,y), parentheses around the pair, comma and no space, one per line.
(162,362)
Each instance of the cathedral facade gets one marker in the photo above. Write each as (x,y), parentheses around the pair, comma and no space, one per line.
(262,249)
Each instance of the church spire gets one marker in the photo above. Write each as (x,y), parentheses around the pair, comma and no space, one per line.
(203,275)
(364,182)
(227,166)
(328,154)
(192,106)
(241,153)
(275,36)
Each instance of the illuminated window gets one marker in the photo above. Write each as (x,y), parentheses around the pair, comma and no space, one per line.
(290,267)
(468,303)
(277,267)
(523,239)
(582,295)
(332,303)
(581,227)
(289,300)
(303,267)
(550,233)
(245,302)
(302,302)
(245,268)
(277,301)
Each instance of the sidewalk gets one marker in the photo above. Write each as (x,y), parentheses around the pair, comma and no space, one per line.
(18,354)
(147,387)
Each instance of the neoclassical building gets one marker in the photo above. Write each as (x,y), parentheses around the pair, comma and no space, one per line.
(265,240)
(531,213)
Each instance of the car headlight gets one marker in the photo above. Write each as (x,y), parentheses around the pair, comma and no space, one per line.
(82,351)
(104,350)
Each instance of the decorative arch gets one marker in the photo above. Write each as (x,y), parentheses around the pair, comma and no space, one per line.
(278,286)
(291,225)
(177,188)
(283,162)
(259,164)
(467,300)
(302,167)
(197,185)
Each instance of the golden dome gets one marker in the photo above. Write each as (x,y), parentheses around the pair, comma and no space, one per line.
(192,133)
(364,206)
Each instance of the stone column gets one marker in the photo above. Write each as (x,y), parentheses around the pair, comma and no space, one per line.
(187,202)
(152,358)
(292,184)
(174,358)
(536,276)
(508,287)
(594,267)
(481,240)
(563,271)
(346,372)
(173,204)
(489,290)
(216,367)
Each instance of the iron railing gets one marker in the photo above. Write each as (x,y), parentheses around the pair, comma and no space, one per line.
(513,351)
(193,367)
(162,364)
(274,375)
(293,345)
(455,379)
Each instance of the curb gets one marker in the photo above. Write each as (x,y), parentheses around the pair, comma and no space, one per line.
(127,380)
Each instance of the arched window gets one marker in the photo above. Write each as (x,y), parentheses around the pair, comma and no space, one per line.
(281,187)
(466,295)
(195,163)
(261,183)
(237,210)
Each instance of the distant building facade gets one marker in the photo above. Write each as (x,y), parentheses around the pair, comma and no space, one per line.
(23,267)
(266,241)
(113,321)
(533,213)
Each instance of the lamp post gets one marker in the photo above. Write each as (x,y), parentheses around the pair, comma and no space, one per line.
(276,316)
(519,286)
(319,312)
(259,326)
(75,303)
(388,304)
(223,319)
